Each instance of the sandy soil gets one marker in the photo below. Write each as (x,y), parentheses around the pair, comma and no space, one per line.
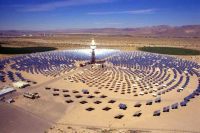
(17,120)
(73,117)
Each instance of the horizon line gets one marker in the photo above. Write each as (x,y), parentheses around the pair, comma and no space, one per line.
(98,28)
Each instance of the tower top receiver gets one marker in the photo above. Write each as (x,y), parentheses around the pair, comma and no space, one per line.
(93,44)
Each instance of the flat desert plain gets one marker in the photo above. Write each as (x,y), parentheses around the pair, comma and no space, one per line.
(73,111)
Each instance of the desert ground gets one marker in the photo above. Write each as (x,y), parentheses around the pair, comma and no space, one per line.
(62,42)
(56,114)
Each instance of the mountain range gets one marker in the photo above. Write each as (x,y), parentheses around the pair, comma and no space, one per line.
(154,31)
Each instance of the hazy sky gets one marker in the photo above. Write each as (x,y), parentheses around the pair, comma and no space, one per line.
(64,14)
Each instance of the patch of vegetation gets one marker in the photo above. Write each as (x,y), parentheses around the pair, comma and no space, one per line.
(24,50)
(170,50)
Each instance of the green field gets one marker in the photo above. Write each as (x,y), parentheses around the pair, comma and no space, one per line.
(170,50)
(24,50)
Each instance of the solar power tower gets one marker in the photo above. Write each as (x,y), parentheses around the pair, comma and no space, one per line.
(93,47)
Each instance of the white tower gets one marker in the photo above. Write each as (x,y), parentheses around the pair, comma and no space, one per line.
(93,47)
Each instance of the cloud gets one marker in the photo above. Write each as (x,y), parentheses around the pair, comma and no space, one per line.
(60,4)
(141,11)
(107,23)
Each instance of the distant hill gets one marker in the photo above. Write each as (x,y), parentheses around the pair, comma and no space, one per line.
(154,31)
